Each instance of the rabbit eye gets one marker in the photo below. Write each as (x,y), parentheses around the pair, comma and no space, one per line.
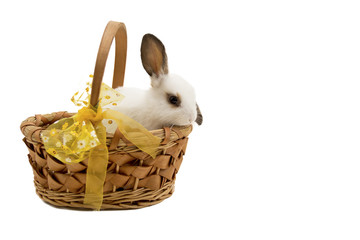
(174,100)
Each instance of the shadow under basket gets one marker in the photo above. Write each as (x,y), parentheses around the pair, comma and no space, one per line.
(133,180)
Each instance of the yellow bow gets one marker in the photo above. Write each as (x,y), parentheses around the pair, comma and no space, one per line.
(83,136)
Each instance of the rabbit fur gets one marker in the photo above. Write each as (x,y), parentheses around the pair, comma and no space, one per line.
(170,100)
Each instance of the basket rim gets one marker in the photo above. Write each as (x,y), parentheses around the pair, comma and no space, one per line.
(32,127)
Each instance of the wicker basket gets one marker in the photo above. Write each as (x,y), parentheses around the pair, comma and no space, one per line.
(134,179)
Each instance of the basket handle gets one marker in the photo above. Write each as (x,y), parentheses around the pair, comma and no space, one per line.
(113,30)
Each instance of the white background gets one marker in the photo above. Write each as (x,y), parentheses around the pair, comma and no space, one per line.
(278,84)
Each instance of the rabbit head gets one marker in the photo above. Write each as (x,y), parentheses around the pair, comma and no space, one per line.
(174,96)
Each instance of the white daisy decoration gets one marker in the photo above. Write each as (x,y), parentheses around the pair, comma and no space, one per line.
(45,139)
(58,144)
(93,134)
(67,138)
(93,143)
(68,160)
(81,144)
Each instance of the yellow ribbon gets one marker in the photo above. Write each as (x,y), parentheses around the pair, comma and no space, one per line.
(83,136)
(134,132)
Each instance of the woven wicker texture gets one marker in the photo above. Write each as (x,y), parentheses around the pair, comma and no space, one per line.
(133,180)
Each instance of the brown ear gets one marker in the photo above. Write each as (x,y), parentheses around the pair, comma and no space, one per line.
(199,117)
(153,55)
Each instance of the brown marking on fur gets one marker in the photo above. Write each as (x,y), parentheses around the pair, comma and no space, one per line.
(178,97)
(199,117)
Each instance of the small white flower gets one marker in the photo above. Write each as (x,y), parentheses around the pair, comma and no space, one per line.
(93,143)
(93,133)
(81,144)
(68,159)
(45,139)
(67,138)
(58,144)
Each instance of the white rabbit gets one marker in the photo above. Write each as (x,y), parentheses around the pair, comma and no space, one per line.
(170,101)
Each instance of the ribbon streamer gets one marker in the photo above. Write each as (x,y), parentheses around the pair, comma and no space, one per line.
(83,136)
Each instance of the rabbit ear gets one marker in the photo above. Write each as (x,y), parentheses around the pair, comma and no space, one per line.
(199,117)
(153,56)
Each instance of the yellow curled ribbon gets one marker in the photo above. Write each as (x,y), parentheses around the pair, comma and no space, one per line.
(83,136)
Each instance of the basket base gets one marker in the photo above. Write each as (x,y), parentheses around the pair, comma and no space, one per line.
(120,200)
